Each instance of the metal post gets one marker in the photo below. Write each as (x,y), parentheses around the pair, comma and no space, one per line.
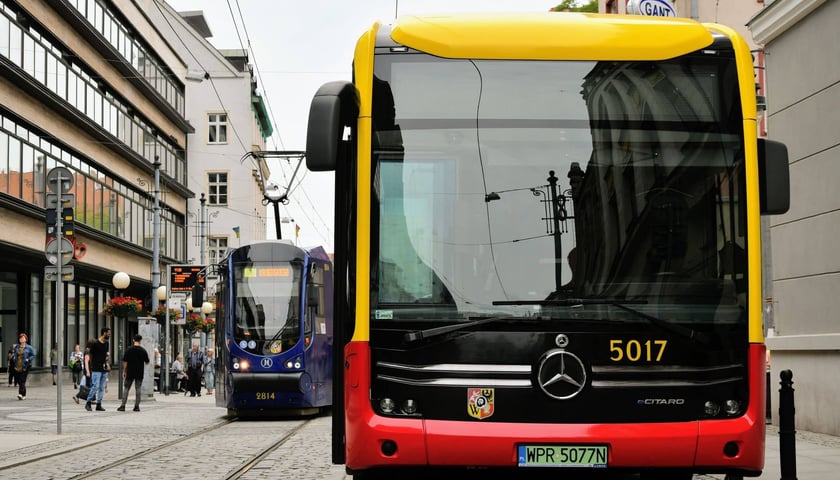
(787,427)
(202,221)
(164,359)
(156,233)
(555,214)
(59,298)
(156,246)
(277,221)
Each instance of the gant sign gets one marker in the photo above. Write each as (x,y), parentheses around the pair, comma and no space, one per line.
(653,8)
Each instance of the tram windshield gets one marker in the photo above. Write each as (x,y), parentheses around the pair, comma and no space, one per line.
(511,187)
(266,317)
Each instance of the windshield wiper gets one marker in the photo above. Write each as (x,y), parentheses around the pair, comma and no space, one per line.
(434,332)
(566,302)
(686,332)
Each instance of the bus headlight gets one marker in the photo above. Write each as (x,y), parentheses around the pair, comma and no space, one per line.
(711,408)
(387,405)
(732,407)
(244,365)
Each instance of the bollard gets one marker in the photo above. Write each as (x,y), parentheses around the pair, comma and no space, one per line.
(787,427)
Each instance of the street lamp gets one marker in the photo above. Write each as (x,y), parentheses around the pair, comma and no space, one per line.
(206,309)
(164,370)
(120,280)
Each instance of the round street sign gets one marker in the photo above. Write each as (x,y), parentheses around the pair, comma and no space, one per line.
(52,253)
(59,178)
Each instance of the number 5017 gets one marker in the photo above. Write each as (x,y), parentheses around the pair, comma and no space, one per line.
(637,351)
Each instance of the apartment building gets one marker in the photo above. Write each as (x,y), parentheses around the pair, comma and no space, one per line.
(803,77)
(90,86)
(231,120)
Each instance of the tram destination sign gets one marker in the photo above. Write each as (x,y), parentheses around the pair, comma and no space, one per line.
(184,277)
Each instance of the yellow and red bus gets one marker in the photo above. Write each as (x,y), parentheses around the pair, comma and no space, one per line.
(547,245)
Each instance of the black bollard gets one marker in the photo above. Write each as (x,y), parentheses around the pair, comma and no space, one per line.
(787,427)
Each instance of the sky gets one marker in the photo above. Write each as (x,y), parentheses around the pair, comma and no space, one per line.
(295,48)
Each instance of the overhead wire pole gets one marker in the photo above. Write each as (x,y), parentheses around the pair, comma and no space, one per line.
(275,197)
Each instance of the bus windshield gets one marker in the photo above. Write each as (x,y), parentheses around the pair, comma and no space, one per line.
(267,306)
(500,187)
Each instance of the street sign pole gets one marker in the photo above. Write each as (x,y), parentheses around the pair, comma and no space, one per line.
(60,181)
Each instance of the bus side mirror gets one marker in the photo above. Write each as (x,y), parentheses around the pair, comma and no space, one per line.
(773,177)
(334,107)
(312,296)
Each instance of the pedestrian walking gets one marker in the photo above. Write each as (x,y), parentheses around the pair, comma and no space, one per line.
(22,358)
(85,381)
(180,374)
(156,385)
(195,366)
(77,359)
(54,361)
(95,369)
(134,363)
(9,355)
(209,371)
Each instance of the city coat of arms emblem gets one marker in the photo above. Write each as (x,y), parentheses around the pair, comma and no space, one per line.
(480,402)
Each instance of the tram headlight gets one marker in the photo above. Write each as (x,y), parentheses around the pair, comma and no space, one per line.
(387,405)
(711,408)
(409,406)
(732,407)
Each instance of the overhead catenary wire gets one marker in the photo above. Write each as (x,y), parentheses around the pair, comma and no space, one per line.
(256,66)
(208,77)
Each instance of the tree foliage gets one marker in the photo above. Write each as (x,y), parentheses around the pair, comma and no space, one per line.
(577,6)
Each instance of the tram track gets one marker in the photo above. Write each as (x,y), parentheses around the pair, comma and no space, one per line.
(247,466)
(236,448)
(165,446)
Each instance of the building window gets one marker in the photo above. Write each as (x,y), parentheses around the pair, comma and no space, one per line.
(217,188)
(217,246)
(217,128)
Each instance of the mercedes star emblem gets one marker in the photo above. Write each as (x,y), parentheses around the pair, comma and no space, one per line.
(561,374)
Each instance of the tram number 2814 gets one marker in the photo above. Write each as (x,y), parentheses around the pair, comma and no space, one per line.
(265,395)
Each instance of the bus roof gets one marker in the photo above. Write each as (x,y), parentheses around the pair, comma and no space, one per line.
(551,36)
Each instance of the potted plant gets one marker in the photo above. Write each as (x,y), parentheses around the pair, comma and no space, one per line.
(194,323)
(123,307)
(209,325)
(162,311)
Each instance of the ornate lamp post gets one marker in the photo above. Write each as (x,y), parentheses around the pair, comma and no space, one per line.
(120,280)
(206,309)
(161,294)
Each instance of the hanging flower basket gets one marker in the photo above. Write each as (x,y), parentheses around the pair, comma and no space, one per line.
(161,312)
(194,323)
(122,307)
(209,325)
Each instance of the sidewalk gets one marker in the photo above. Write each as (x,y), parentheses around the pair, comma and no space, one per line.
(32,422)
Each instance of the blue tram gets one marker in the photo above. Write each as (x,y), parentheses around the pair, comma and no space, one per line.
(274,330)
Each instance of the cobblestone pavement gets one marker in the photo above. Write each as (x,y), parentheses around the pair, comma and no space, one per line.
(29,442)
